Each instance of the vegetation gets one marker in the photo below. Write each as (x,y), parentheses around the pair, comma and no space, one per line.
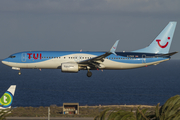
(4,113)
(116,115)
(169,111)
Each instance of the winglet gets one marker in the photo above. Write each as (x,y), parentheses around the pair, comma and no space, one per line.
(7,98)
(113,49)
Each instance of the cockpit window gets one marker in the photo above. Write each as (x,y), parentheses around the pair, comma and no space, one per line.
(12,56)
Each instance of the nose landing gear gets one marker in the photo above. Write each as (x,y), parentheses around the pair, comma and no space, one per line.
(19,72)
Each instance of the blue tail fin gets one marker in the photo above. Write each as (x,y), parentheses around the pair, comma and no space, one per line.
(162,42)
(7,98)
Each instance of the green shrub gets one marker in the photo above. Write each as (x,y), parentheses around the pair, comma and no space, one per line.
(169,111)
(4,112)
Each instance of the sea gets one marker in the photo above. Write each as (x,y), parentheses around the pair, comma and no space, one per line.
(142,86)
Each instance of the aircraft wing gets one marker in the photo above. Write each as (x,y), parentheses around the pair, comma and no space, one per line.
(94,62)
(95,59)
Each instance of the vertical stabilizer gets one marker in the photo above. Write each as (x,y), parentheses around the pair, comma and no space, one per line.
(162,42)
(7,98)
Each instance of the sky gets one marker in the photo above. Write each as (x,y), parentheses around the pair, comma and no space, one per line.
(90,25)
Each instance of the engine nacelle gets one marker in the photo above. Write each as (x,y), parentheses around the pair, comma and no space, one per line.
(69,67)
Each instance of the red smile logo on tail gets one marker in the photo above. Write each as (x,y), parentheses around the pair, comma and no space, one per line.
(163,46)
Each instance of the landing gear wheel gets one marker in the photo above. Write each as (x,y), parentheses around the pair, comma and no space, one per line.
(89,74)
(19,73)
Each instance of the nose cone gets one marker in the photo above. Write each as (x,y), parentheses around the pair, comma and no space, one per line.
(4,62)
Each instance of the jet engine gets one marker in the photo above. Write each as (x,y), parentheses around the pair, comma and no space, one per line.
(69,67)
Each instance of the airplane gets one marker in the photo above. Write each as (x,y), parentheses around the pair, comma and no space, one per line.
(71,61)
(7,98)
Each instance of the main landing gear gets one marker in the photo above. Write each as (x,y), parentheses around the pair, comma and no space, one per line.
(89,73)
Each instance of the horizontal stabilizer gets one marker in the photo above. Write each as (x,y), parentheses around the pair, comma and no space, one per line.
(169,54)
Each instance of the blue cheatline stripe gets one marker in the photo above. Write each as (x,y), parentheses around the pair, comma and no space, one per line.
(129,57)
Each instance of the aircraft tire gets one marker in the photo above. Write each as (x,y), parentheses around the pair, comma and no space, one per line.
(89,74)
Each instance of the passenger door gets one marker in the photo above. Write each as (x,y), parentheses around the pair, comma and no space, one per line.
(143,58)
(23,57)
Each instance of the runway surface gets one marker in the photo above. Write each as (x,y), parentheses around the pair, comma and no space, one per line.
(45,118)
